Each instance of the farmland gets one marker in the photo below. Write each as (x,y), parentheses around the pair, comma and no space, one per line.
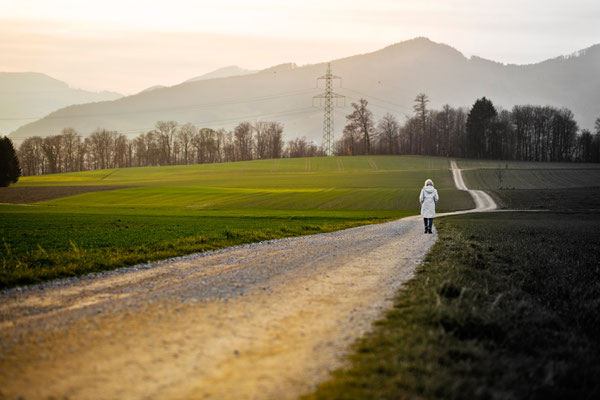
(542,186)
(167,211)
(507,175)
(504,306)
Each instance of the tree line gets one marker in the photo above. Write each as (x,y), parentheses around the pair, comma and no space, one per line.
(166,144)
(525,133)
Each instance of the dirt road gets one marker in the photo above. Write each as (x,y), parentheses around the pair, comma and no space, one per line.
(483,201)
(262,321)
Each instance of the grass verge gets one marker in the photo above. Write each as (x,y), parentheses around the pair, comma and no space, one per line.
(506,305)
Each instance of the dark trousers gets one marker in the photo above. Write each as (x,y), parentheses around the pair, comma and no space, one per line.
(428,222)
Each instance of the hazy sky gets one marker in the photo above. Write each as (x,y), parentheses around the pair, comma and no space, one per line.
(129,45)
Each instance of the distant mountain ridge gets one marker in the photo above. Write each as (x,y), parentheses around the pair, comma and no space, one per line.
(151,88)
(26,95)
(389,79)
(225,72)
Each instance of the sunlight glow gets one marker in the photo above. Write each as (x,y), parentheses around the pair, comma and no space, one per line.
(205,35)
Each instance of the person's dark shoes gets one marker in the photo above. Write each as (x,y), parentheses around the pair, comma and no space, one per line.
(426,230)
(430,231)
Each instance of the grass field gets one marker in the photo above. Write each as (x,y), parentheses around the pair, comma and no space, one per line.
(327,183)
(177,210)
(510,175)
(528,185)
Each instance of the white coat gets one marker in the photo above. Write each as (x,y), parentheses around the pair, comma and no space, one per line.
(428,198)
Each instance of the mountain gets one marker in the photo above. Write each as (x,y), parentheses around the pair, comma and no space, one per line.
(389,79)
(27,96)
(225,72)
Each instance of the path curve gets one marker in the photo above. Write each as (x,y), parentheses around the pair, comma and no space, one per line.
(483,201)
(261,321)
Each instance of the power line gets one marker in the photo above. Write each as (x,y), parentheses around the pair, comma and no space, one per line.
(246,117)
(379,116)
(379,99)
(328,96)
(148,110)
(132,131)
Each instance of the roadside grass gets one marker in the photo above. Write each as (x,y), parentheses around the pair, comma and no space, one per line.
(506,305)
(41,245)
(169,211)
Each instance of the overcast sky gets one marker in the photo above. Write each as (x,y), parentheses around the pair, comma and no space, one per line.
(129,45)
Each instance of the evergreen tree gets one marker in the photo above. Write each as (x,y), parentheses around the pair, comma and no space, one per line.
(10,171)
(480,128)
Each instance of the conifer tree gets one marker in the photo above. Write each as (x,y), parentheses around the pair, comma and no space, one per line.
(480,123)
(10,171)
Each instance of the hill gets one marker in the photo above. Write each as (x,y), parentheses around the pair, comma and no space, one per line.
(26,96)
(389,78)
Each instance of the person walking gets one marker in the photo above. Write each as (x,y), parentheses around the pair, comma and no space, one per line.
(428,198)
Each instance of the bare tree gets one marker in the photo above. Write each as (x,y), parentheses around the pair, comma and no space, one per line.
(274,133)
(228,147)
(387,130)
(52,147)
(262,139)
(166,131)
(101,148)
(185,135)
(301,147)
(243,141)
(444,122)
(209,143)
(31,155)
(420,108)
(361,119)
(119,153)
(350,141)
(71,140)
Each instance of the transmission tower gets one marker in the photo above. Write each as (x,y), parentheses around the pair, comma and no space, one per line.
(327,99)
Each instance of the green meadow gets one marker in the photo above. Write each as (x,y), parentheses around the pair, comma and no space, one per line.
(375,184)
(169,211)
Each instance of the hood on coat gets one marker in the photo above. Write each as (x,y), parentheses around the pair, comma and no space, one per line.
(428,189)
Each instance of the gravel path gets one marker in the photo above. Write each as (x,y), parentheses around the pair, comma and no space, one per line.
(483,201)
(261,321)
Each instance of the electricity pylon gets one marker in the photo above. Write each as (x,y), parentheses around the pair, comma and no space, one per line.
(328,97)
